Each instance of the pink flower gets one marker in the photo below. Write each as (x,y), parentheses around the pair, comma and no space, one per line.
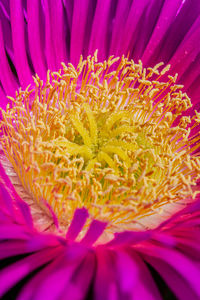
(152,263)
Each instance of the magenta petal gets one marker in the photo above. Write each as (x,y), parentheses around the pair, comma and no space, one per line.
(30,244)
(179,262)
(82,279)
(166,17)
(100,29)
(63,273)
(3,98)
(194,91)
(80,19)
(165,239)
(67,276)
(191,74)
(189,247)
(25,212)
(6,200)
(173,279)
(39,241)
(94,232)
(176,33)
(134,278)
(22,211)
(58,31)
(19,45)
(69,11)
(139,26)
(5,7)
(29,290)
(12,248)
(16,247)
(4,218)
(12,231)
(49,44)
(6,76)
(77,223)
(59,273)
(6,29)
(15,272)
(105,283)
(57,279)
(129,237)
(128,36)
(122,11)
(188,50)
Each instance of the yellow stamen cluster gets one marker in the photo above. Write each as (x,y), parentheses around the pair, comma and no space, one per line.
(101,136)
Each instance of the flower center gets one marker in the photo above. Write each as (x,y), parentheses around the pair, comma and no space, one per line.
(102,136)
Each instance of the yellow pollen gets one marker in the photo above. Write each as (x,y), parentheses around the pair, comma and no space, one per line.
(102,136)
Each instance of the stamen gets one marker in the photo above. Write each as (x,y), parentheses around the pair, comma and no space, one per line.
(101,136)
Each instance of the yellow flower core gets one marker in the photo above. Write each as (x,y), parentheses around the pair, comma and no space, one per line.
(100,136)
